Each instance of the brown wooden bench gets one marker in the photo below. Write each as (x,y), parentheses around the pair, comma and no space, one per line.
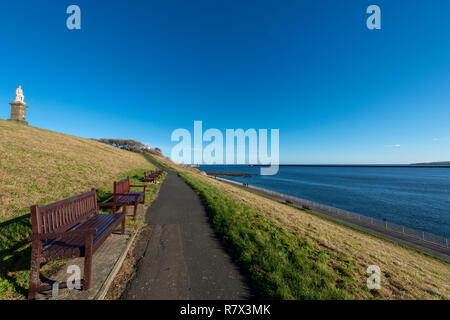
(149,177)
(152,176)
(123,196)
(68,229)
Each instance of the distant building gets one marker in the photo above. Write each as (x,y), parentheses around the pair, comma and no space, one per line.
(19,107)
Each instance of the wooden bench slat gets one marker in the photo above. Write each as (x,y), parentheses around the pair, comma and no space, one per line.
(73,247)
(131,198)
(65,249)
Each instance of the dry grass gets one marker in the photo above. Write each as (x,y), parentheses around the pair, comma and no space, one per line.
(38,166)
(175,166)
(406,274)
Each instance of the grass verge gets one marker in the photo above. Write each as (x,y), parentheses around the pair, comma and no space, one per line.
(290,254)
(279,265)
(351,227)
(161,163)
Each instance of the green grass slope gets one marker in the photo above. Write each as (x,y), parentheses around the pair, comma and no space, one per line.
(38,166)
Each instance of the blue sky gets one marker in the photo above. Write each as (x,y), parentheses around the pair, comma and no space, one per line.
(338,92)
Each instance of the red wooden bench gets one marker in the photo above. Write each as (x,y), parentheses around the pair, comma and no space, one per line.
(149,177)
(123,196)
(152,176)
(67,229)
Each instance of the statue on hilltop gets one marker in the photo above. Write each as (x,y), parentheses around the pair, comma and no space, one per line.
(19,107)
(19,95)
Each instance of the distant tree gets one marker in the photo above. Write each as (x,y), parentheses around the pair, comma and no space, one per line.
(126,144)
(130,145)
(156,151)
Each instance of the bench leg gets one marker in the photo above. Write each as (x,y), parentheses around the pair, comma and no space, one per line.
(122,231)
(88,262)
(135,207)
(35,269)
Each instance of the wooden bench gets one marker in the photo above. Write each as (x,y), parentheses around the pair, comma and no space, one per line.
(123,196)
(68,229)
(152,176)
(149,177)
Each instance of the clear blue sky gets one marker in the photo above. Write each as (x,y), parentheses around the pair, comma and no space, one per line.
(338,92)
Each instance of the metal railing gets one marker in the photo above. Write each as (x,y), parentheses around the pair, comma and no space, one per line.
(311,205)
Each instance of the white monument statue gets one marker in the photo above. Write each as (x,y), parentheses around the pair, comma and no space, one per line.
(19,94)
(19,107)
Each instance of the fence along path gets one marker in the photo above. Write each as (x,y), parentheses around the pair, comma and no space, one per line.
(315,206)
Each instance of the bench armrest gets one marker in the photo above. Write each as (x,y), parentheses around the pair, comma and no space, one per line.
(56,235)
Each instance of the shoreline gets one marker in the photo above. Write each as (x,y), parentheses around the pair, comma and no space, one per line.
(416,198)
(230,174)
(343,165)
(426,242)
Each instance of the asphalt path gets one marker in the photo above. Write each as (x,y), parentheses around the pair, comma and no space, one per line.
(179,255)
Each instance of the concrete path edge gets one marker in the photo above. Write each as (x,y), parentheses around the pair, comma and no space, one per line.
(101,294)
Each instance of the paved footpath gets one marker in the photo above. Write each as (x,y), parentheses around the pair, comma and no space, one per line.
(181,256)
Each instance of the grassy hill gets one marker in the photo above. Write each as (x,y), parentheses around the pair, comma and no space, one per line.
(38,166)
(289,253)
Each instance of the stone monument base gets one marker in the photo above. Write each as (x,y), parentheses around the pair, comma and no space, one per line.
(18,112)
(19,121)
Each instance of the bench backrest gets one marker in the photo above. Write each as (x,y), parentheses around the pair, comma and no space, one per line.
(122,186)
(63,215)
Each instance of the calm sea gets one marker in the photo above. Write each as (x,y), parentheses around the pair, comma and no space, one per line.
(415,197)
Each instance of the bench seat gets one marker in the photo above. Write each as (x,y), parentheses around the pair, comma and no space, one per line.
(130,199)
(74,247)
